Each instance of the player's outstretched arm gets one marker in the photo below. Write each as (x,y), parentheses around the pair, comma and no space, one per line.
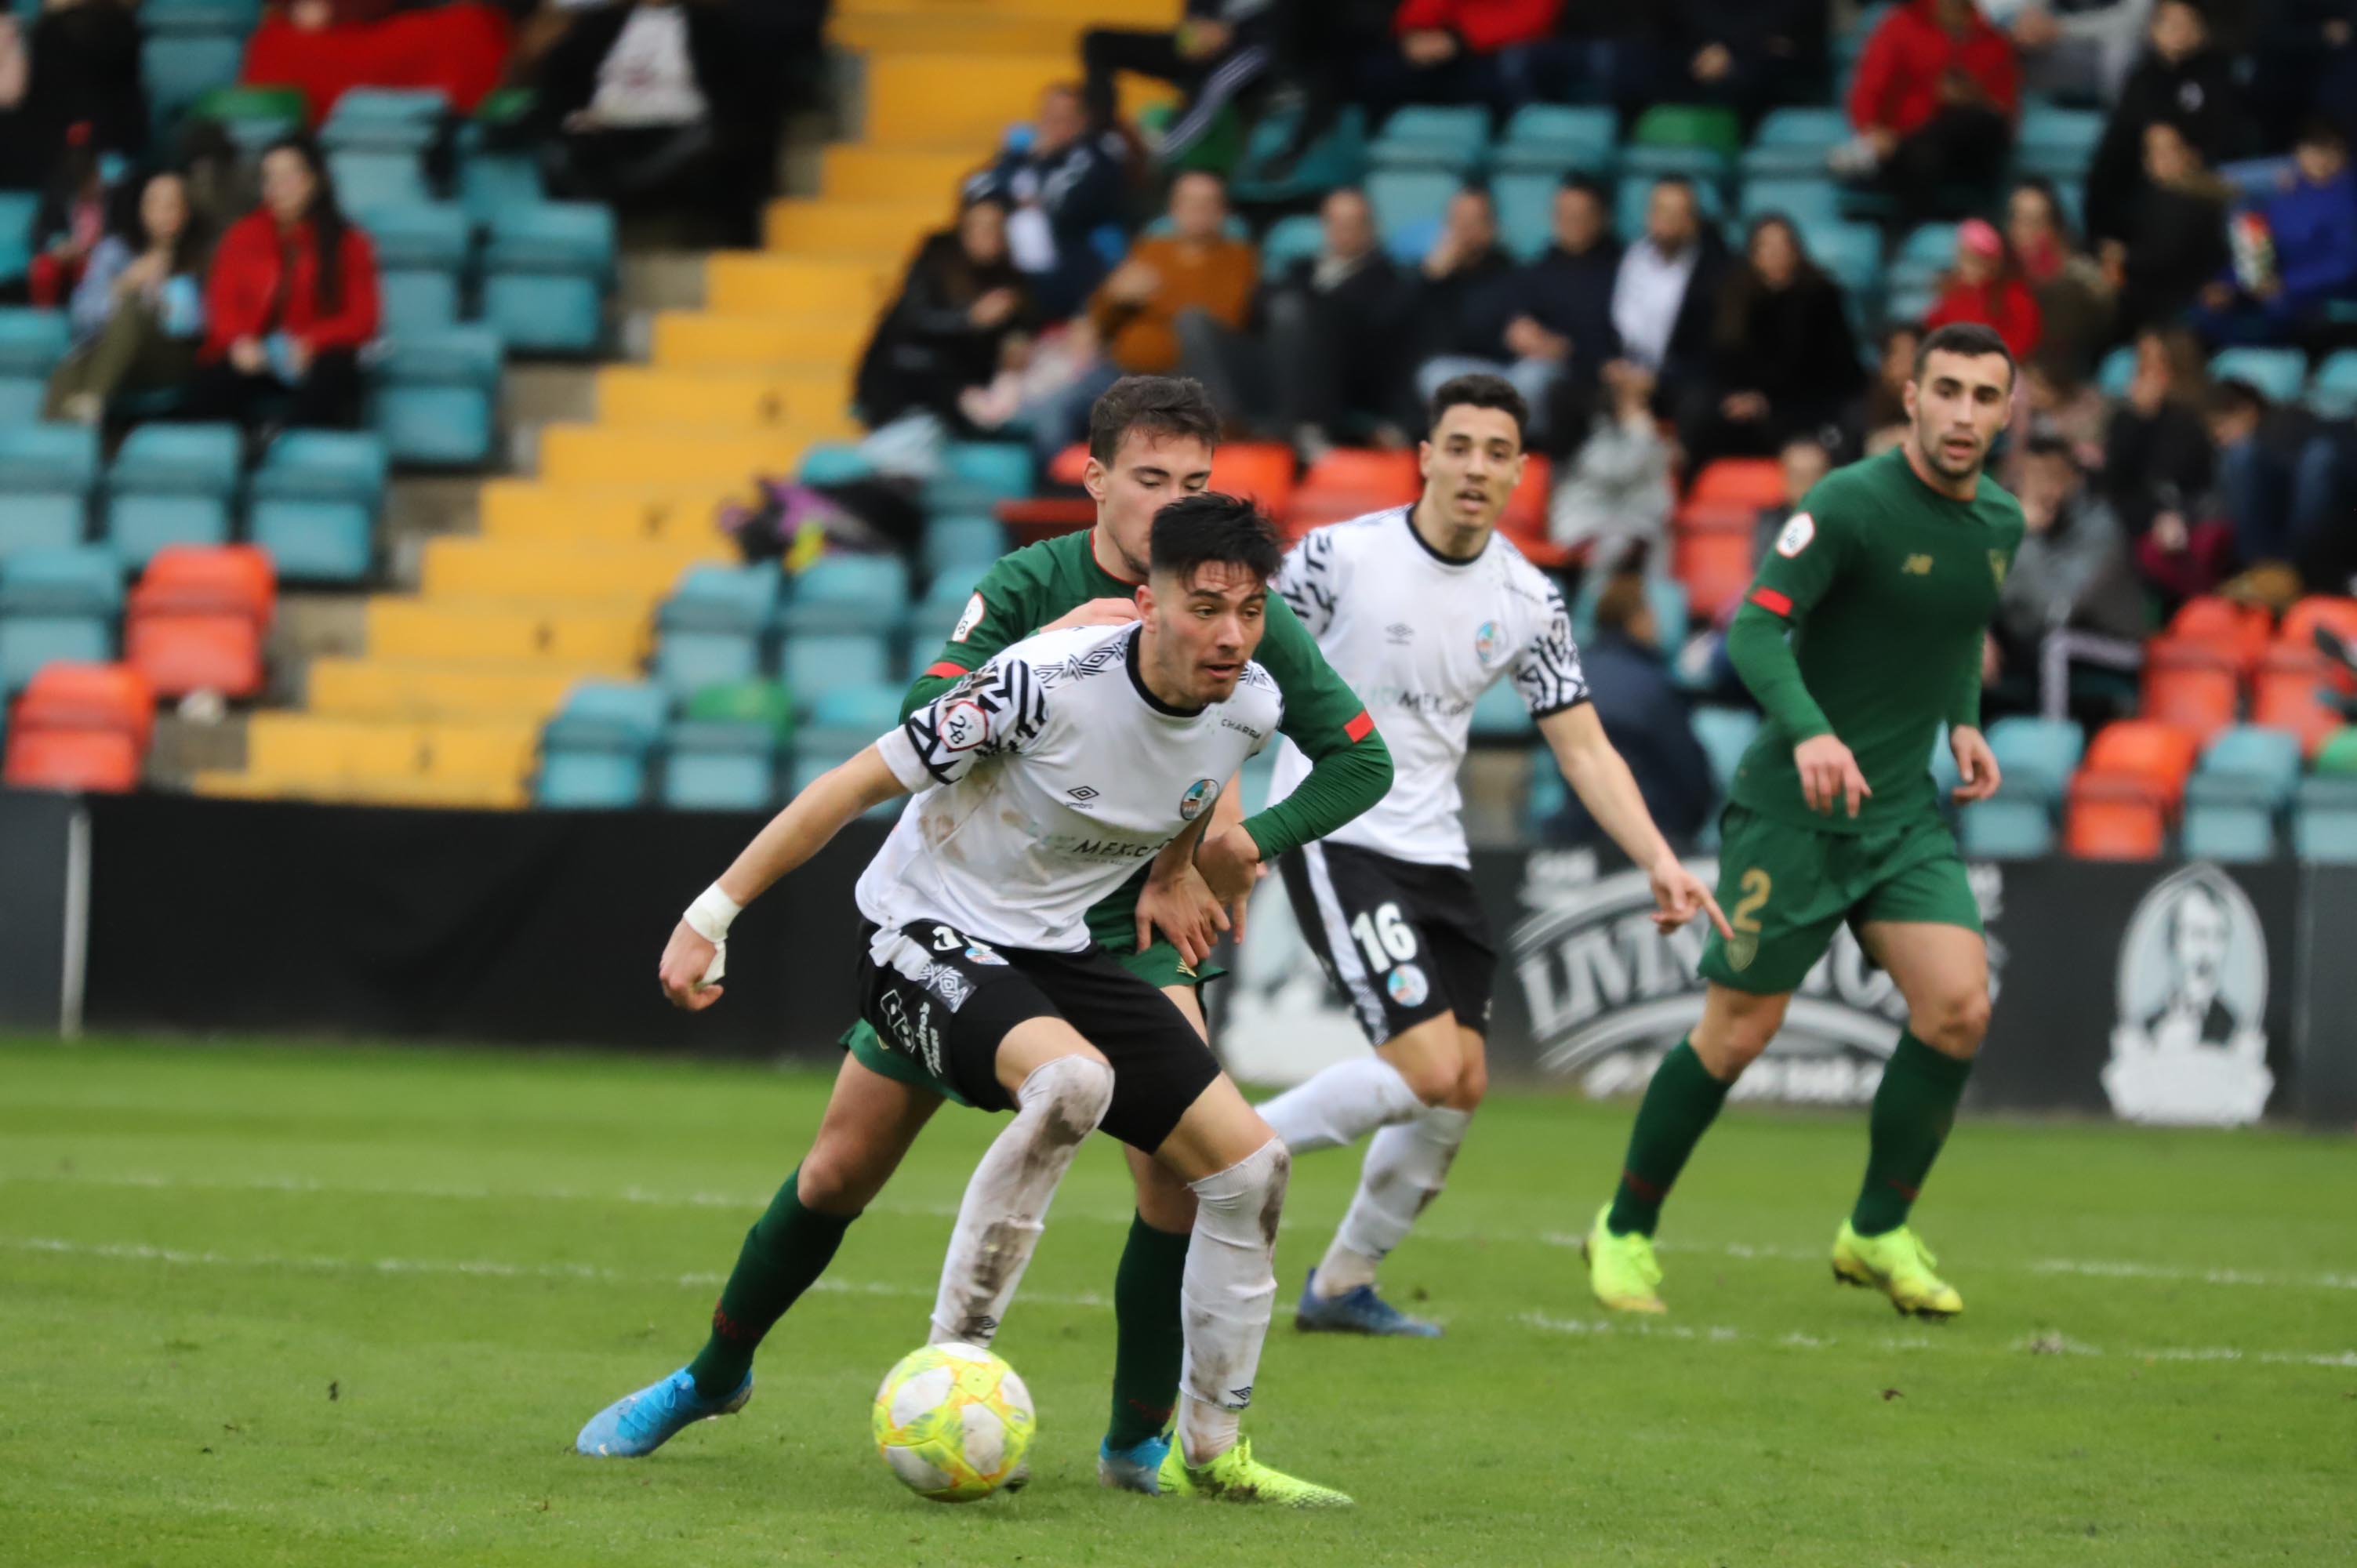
(791,837)
(1601,777)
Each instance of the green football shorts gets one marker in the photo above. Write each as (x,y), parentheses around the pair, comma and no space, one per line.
(1160,966)
(1786,888)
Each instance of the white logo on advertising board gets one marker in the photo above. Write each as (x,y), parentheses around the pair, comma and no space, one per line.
(2191,1046)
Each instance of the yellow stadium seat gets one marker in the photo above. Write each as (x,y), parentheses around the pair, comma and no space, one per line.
(1095,13)
(618,575)
(560,630)
(857,172)
(955,100)
(423,690)
(756,282)
(886,229)
(539,511)
(696,340)
(988,33)
(625,455)
(704,400)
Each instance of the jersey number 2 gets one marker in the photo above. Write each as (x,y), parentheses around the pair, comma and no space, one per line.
(1384,936)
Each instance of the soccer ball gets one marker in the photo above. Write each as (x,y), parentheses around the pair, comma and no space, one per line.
(954,1422)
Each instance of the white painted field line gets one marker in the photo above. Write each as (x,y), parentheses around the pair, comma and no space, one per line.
(1589,1328)
(2091,1268)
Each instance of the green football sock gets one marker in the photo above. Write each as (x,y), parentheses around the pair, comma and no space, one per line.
(1680,1104)
(1913,1110)
(1149,1340)
(788,1248)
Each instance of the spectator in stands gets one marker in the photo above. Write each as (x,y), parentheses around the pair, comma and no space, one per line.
(1325,359)
(1882,420)
(327,48)
(1615,496)
(2182,80)
(2074,302)
(70,223)
(1933,104)
(1547,327)
(1496,52)
(1060,187)
(961,307)
(1783,361)
(2305,52)
(291,300)
(79,67)
(1645,717)
(666,106)
(2278,478)
(2176,242)
(1468,290)
(2061,406)
(1665,295)
(2158,467)
(2072,572)
(1743,54)
(1803,461)
(1985,287)
(138,312)
(2077,50)
(1219,51)
(2280,293)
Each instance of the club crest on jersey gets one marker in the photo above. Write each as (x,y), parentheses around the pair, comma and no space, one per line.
(1798,532)
(1199,794)
(969,620)
(981,952)
(1485,642)
(1408,986)
(964,725)
(1996,566)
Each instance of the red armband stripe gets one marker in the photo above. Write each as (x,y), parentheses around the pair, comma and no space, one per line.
(1360,728)
(1771,601)
(945,668)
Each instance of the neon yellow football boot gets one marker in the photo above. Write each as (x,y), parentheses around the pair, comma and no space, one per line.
(1898,1264)
(1235,1477)
(1621,1270)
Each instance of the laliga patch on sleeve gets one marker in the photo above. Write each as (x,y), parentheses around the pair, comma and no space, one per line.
(964,725)
(1796,535)
(968,622)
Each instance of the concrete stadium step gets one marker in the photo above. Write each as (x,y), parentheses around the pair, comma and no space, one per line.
(756,282)
(181,748)
(553,631)
(817,402)
(659,280)
(627,454)
(449,691)
(395,789)
(693,340)
(621,578)
(860,229)
(543,512)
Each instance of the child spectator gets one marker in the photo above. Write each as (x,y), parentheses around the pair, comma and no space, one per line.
(138,312)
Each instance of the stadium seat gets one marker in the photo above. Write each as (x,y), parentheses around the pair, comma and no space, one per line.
(847,718)
(2058,143)
(2228,831)
(2324,826)
(2116,370)
(1296,237)
(962,548)
(2158,756)
(933,617)
(80,726)
(1554,139)
(2288,694)
(172,484)
(2318,610)
(379,178)
(1365,471)
(2008,827)
(716,625)
(1725,733)
(254,117)
(491,183)
(1708,127)
(546,268)
(2338,756)
(2238,632)
(1408,204)
(848,592)
(721,764)
(978,474)
(1432,136)
(2190,685)
(383,118)
(2279,373)
(435,396)
(1929,251)
(2035,758)
(46,474)
(421,252)
(2115,817)
(1808,203)
(834,463)
(179,68)
(813,666)
(31,344)
(2249,762)
(1259,470)
(1499,714)
(19,211)
(1667,598)
(595,750)
(1740,481)
(314,504)
(1338,157)
(1526,204)
(200,619)
(1713,557)
(2332,393)
(56,604)
(1793,142)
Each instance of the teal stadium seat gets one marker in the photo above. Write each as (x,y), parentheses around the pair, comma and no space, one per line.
(1526,204)
(1295,237)
(813,666)
(847,718)
(1725,733)
(1928,251)
(47,475)
(546,269)
(2279,373)
(1557,138)
(2230,831)
(1636,192)
(1547,795)
(1409,205)
(61,603)
(2333,394)
(1793,142)
(716,625)
(314,504)
(2058,143)
(1338,157)
(172,484)
(375,178)
(848,592)
(1805,201)
(934,617)
(433,396)
(978,474)
(962,548)
(2035,758)
(2116,370)
(2325,829)
(2246,762)
(31,344)
(834,463)
(1451,138)
(2009,827)
(183,18)
(421,256)
(19,209)
(491,182)
(720,764)
(1499,714)
(385,119)
(180,67)
(594,752)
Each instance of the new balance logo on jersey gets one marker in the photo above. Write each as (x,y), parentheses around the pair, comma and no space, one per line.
(1916,565)
(1399,634)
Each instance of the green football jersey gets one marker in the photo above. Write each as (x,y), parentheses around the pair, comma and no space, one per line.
(1887,586)
(1026,590)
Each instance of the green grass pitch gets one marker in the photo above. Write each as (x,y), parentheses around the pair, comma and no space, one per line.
(266,1306)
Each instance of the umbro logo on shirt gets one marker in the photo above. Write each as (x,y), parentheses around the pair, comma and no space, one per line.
(1399,634)
(1081,795)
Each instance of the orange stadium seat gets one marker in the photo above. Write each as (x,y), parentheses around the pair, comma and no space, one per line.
(198,619)
(1391,476)
(1746,481)
(2240,630)
(80,726)
(1715,566)
(2288,693)
(1260,469)
(2158,755)
(1068,464)
(2113,817)
(2299,624)
(2190,685)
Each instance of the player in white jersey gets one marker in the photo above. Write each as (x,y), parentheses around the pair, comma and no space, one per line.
(1421,608)
(1041,781)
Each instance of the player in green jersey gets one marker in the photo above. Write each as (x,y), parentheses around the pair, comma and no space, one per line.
(1151,440)
(1885,581)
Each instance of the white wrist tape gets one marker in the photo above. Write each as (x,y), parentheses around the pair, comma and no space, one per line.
(710,916)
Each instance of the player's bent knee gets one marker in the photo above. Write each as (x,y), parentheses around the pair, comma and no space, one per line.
(840,1176)
(1472,1084)
(1429,1058)
(1165,1201)
(1076,1090)
(1954,1025)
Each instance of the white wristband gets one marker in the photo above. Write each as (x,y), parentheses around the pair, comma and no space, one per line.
(710,915)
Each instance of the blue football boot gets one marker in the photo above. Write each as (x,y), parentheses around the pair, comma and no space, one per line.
(637,1425)
(1355,1311)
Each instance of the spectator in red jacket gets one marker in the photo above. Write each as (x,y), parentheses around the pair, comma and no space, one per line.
(1933,104)
(1497,52)
(1987,286)
(292,298)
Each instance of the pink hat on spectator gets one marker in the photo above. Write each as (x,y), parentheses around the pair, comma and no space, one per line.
(1978,237)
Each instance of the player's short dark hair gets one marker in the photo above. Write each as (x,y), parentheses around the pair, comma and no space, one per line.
(1971,338)
(1168,406)
(1195,530)
(1479,391)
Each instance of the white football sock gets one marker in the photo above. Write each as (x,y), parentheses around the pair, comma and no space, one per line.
(1405,1168)
(1341,1271)
(1006,1203)
(1340,1104)
(1228,1288)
